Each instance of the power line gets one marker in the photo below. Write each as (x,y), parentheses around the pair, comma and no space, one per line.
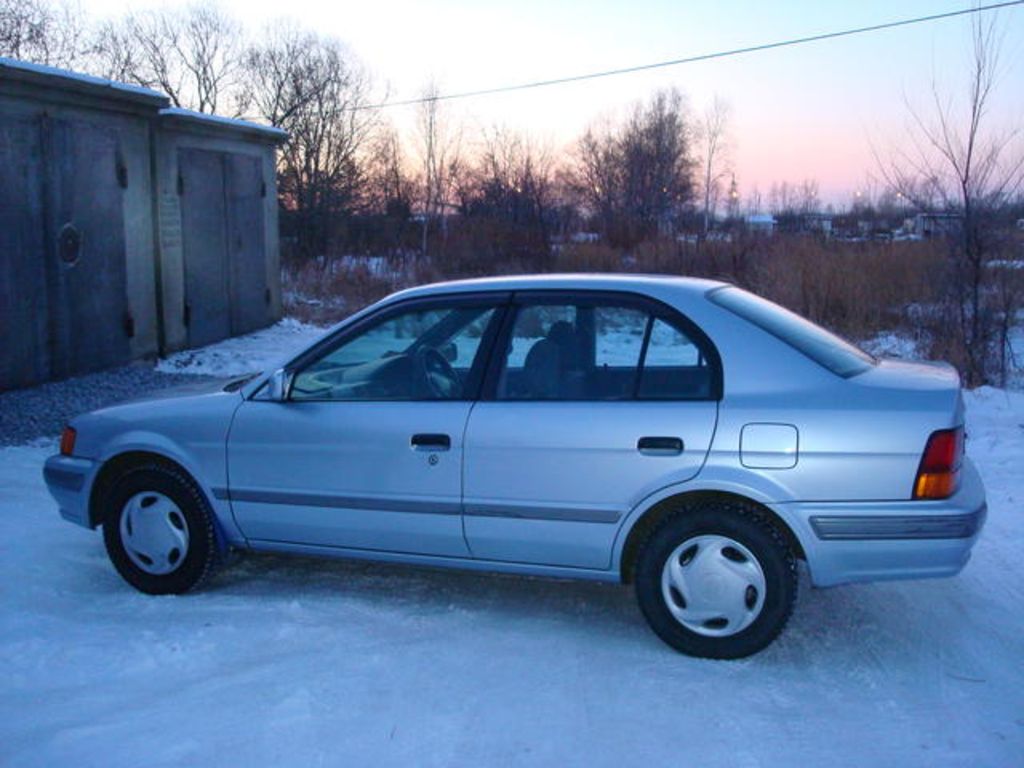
(691,59)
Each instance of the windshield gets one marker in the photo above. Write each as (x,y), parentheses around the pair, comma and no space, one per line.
(825,348)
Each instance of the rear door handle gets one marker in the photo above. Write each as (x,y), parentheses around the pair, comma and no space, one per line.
(660,446)
(430,442)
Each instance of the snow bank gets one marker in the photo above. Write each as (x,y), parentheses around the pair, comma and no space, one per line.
(254,352)
(894,345)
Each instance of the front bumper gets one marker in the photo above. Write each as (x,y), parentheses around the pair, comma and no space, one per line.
(69,480)
(874,541)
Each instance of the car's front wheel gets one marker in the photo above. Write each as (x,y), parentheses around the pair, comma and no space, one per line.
(158,530)
(716,580)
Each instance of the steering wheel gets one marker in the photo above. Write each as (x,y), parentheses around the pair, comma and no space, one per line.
(435,377)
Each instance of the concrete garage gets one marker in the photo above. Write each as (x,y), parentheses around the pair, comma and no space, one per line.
(127,229)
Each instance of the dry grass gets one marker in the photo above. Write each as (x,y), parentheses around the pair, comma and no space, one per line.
(856,289)
(324,293)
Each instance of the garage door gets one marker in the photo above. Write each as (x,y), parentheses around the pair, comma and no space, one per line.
(62,250)
(249,299)
(87,293)
(223,240)
(25,357)
(204,240)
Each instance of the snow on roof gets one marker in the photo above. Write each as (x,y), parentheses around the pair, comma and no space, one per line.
(121,90)
(224,122)
(97,85)
(760,218)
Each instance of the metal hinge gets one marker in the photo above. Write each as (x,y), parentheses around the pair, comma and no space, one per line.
(122,175)
(181,184)
(263,188)
(187,315)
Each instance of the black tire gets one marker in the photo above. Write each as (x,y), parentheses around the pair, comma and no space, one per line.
(193,565)
(745,525)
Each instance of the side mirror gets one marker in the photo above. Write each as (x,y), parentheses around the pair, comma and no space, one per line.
(278,385)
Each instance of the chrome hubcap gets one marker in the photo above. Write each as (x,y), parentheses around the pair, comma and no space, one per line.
(154,533)
(713,585)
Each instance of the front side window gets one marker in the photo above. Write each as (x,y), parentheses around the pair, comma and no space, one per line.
(601,351)
(426,354)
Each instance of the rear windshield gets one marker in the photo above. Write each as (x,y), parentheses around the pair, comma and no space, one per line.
(838,355)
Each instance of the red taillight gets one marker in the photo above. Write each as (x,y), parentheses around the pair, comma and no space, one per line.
(938,475)
(67,441)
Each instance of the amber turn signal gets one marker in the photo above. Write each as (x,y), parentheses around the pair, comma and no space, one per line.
(67,441)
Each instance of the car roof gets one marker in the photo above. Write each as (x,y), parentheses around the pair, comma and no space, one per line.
(583,281)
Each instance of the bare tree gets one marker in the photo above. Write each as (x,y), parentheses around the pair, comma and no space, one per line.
(733,203)
(511,188)
(115,54)
(42,32)
(441,157)
(781,198)
(514,177)
(596,178)
(637,177)
(312,88)
(193,55)
(278,74)
(713,140)
(657,161)
(807,197)
(390,188)
(958,163)
(755,201)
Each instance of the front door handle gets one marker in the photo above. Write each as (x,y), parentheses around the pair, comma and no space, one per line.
(430,442)
(660,446)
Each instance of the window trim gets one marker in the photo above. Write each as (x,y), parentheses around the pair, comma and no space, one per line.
(655,308)
(639,377)
(499,300)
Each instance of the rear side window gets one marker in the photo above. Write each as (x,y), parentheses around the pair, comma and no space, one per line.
(671,362)
(823,347)
(597,349)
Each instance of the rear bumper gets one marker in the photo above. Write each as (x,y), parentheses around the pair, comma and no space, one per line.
(69,480)
(898,527)
(873,541)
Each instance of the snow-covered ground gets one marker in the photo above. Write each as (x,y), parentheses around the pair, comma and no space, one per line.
(301,662)
(245,354)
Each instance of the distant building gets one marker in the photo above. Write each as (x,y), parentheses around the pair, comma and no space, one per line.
(928,225)
(128,228)
(760,223)
(817,222)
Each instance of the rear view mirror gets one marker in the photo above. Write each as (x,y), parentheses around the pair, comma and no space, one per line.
(278,385)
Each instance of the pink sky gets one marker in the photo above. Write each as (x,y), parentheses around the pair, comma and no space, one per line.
(805,112)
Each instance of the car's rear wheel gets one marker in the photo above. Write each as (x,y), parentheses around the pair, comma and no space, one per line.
(716,580)
(158,530)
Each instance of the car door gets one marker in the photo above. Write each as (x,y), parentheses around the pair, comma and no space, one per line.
(365,452)
(594,402)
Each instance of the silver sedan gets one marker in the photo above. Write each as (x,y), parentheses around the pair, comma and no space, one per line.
(681,435)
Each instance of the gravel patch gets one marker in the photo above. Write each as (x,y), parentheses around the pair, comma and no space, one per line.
(41,412)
